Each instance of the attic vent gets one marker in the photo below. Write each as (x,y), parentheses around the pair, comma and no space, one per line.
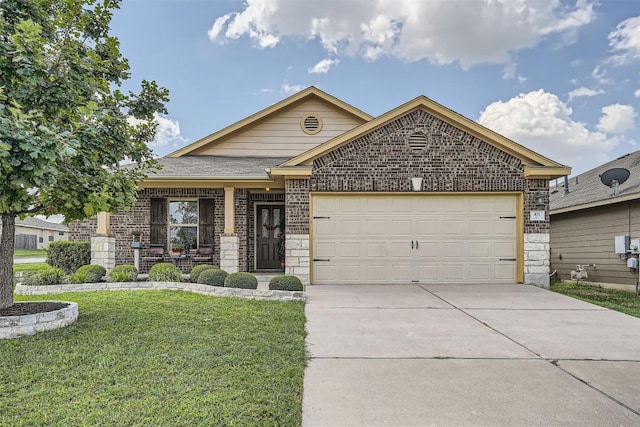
(311,124)
(418,141)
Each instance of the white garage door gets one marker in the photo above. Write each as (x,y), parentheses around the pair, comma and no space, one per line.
(403,239)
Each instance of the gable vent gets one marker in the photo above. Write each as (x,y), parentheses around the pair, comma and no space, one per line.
(418,141)
(311,124)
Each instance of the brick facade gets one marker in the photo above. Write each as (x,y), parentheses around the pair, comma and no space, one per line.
(452,161)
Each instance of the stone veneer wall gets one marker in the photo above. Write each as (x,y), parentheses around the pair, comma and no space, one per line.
(137,218)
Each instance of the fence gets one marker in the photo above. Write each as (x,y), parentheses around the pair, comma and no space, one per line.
(26,241)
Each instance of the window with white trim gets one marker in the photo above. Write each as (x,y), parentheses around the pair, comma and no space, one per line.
(183,224)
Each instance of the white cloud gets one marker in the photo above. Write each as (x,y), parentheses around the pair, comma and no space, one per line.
(323,66)
(584,91)
(617,118)
(168,132)
(637,93)
(542,122)
(625,40)
(287,90)
(411,30)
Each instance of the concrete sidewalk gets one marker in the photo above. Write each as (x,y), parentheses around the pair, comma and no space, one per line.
(29,260)
(467,355)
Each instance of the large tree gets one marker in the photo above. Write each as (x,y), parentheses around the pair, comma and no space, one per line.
(65,124)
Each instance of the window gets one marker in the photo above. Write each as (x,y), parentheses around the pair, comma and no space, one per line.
(188,223)
(51,238)
(183,224)
(40,239)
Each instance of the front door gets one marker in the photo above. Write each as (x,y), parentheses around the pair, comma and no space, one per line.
(269,232)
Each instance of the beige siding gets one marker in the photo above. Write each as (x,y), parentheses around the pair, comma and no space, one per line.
(281,135)
(587,237)
(42,235)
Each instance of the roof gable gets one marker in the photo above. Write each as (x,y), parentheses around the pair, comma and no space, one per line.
(536,165)
(347,118)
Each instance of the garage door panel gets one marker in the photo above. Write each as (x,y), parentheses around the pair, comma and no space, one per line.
(504,249)
(349,250)
(430,227)
(452,227)
(401,228)
(368,239)
(349,227)
(326,228)
(504,227)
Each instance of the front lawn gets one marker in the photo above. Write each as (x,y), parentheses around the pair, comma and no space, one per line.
(30,266)
(30,253)
(158,358)
(623,301)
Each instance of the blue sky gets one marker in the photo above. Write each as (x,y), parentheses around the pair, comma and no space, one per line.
(560,77)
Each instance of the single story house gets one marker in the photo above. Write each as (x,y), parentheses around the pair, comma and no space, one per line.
(35,233)
(317,188)
(586,217)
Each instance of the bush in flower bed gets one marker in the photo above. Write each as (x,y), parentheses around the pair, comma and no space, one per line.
(198,269)
(46,277)
(213,277)
(123,273)
(164,272)
(87,274)
(286,283)
(241,280)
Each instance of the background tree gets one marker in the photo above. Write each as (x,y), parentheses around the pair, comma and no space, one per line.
(65,126)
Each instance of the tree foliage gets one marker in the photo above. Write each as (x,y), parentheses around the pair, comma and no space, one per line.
(65,123)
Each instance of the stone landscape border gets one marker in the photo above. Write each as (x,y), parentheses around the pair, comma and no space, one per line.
(30,324)
(218,291)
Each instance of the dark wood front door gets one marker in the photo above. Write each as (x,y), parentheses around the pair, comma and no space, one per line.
(269,229)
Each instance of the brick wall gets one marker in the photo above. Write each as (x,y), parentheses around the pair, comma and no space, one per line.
(137,218)
(297,206)
(453,160)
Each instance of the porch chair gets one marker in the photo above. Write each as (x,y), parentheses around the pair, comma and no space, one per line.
(154,254)
(203,255)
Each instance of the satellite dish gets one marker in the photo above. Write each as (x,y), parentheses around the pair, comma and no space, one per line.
(614,177)
(616,174)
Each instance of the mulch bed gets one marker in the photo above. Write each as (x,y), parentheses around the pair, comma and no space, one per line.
(25,308)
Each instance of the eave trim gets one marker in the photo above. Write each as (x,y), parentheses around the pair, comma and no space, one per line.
(596,204)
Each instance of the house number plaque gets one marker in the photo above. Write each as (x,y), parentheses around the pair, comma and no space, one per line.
(537,216)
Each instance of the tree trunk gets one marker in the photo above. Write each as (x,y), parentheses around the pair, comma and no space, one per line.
(6,259)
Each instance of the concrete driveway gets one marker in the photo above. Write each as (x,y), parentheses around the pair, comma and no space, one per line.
(409,355)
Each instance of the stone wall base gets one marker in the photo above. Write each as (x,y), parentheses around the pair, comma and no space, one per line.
(297,262)
(537,259)
(103,251)
(230,253)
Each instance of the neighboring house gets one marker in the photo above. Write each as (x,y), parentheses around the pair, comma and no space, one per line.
(341,184)
(34,233)
(587,217)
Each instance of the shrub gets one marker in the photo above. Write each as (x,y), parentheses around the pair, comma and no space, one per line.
(241,280)
(195,271)
(88,274)
(286,283)
(123,273)
(47,277)
(69,255)
(164,272)
(213,277)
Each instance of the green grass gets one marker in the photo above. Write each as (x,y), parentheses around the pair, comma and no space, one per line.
(32,266)
(29,253)
(164,358)
(622,301)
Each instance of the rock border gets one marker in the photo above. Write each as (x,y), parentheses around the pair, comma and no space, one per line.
(30,324)
(219,291)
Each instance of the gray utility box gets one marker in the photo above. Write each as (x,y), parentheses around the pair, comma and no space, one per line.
(622,244)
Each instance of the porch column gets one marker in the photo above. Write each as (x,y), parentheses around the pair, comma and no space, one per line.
(229,241)
(103,244)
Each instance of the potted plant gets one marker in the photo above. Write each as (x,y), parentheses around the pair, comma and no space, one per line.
(176,249)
